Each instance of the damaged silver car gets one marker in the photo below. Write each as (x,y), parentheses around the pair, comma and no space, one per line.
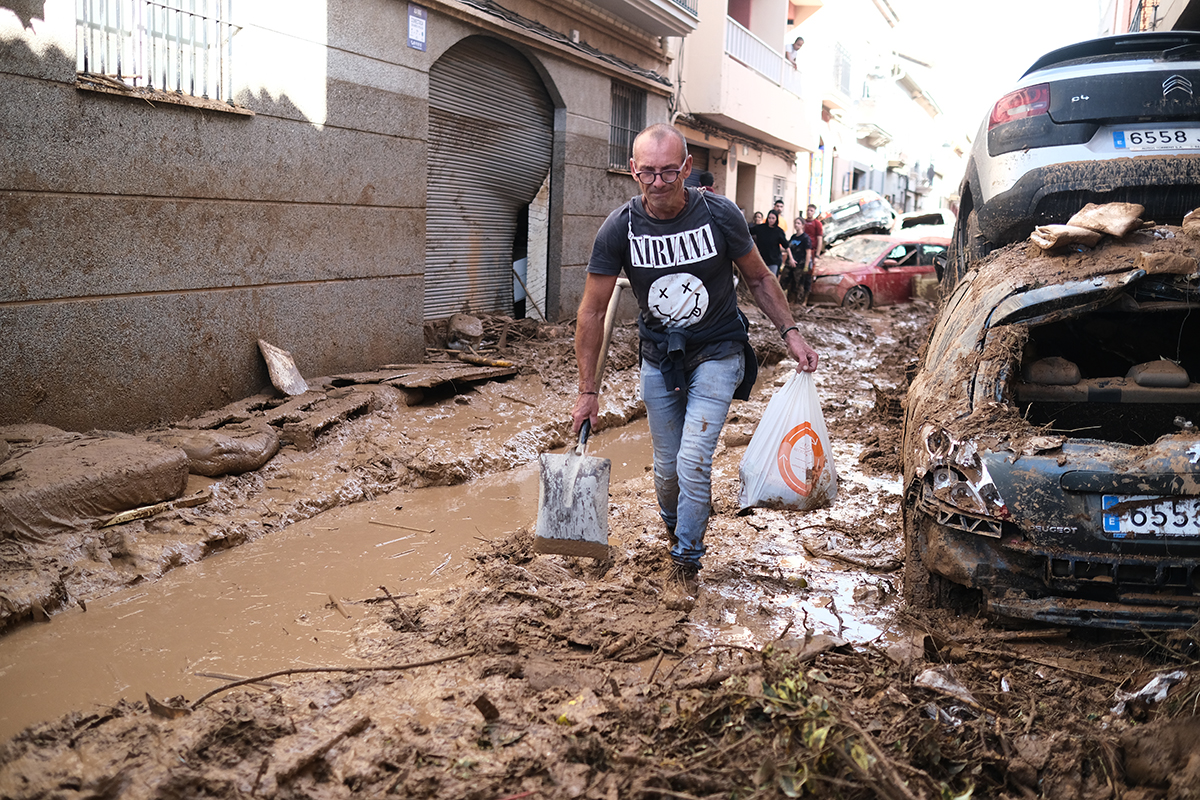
(1051,452)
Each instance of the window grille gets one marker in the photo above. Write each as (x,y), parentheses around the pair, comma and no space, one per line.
(182,46)
(628,119)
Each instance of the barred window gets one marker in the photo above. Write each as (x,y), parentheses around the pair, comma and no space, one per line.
(181,46)
(628,119)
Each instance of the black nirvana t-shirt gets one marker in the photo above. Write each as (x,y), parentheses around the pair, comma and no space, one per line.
(680,269)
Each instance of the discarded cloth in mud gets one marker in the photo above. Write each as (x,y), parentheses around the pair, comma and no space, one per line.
(943,679)
(228,451)
(1167,263)
(1115,219)
(1048,237)
(789,463)
(1153,692)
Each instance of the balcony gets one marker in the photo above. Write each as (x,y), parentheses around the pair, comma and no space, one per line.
(656,17)
(744,46)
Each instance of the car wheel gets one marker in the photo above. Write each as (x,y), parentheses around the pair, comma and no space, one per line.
(976,245)
(924,589)
(966,248)
(857,299)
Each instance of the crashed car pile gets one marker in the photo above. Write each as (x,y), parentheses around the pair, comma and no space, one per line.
(1051,451)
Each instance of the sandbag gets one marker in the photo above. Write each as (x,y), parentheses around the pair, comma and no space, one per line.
(789,463)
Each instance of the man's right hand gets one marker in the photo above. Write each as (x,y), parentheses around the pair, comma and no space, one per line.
(587,406)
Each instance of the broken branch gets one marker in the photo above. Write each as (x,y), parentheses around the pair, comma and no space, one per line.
(310,670)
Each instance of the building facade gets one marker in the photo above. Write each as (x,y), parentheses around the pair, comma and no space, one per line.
(182,178)
(880,127)
(743,105)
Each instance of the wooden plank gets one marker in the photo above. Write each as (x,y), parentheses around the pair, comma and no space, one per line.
(425,376)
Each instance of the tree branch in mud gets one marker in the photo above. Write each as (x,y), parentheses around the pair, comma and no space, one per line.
(309,670)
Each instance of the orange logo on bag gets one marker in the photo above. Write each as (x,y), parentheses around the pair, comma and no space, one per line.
(814,458)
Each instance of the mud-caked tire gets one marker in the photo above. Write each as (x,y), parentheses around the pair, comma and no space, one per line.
(967,247)
(925,590)
(858,298)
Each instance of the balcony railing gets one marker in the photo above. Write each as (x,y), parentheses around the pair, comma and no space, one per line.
(689,5)
(744,46)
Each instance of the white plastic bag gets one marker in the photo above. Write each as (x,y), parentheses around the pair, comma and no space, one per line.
(788,463)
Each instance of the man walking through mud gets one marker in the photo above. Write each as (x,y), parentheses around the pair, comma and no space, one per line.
(678,247)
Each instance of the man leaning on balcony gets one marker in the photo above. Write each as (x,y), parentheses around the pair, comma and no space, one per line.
(790,53)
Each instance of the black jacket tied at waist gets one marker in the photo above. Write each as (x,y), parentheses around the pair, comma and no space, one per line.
(676,346)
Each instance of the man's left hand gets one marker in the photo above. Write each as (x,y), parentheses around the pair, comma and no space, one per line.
(806,357)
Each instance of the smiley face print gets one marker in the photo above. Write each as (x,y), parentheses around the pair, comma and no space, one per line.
(678,299)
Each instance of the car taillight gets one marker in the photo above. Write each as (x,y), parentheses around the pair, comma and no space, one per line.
(1021,104)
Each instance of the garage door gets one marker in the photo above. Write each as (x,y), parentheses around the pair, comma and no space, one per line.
(490,138)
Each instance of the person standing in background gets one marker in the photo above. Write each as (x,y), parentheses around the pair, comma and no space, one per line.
(798,279)
(772,242)
(790,53)
(816,236)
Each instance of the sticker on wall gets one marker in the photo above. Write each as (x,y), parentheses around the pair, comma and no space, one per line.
(417,20)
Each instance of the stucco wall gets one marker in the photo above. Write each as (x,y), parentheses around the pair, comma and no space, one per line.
(145,248)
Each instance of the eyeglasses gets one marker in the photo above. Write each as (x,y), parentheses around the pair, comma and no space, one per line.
(667,175)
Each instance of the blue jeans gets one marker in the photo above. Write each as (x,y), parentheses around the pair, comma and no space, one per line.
(685,427)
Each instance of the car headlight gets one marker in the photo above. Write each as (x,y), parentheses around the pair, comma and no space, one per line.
(958,476)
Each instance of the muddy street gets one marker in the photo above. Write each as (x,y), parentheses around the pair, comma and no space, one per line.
(492,671)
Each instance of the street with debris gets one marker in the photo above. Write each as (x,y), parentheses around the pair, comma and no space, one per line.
(459,662)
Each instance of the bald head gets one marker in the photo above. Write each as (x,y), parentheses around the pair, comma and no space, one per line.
(660,133)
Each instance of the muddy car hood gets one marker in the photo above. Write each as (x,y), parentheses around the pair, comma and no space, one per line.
(1004,299)
(836,266)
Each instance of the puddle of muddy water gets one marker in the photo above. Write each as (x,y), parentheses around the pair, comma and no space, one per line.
(266,605)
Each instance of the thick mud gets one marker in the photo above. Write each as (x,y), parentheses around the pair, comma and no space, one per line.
(795,671)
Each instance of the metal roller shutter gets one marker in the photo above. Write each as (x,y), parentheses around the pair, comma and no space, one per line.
(490,137)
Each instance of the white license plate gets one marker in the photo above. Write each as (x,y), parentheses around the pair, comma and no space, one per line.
(1157,139)
(1159,516)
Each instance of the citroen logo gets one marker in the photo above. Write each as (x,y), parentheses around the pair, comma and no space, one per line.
(1177,83)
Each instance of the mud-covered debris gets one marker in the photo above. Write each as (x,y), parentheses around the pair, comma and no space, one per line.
(70,481)
(1167,263)
(1191,224)
(282,368)
(1049,237)
(465,332)
(1115,219)
(230,450)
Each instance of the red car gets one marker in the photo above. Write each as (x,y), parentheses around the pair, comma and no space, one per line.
(872,270)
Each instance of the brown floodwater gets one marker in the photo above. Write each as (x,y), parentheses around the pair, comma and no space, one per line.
(265,605)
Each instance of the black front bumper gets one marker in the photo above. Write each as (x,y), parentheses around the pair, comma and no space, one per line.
(1022,580)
